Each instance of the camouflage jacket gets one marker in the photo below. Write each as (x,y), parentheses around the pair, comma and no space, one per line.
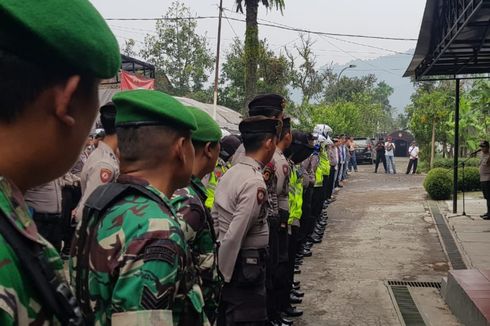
(199,233)
(19,302)
(141,270)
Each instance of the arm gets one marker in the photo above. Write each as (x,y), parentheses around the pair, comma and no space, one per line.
(247,211)
(101,174)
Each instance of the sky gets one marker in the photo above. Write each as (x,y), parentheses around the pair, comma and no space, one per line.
(387,18)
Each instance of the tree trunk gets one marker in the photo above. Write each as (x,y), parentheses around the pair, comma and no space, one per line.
(433,144)
(251,52)
(444,149)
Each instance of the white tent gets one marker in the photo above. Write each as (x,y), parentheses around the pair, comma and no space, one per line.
(226,118)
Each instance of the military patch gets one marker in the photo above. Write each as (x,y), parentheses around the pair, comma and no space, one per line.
(267,176)
(152,301)
(285,169)
(105,175)
(260,195)
(160,252)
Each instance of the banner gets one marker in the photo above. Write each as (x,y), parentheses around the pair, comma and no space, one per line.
(130,81)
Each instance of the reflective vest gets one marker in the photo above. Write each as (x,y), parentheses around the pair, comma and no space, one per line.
(214,177)
(323,168)
(295,197)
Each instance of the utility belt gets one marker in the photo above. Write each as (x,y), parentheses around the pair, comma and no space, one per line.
(250,267)
(47,217)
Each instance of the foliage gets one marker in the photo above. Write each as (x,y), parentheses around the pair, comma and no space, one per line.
(438,183)
(448,163)
(128,48)
(181,57)
(273,74)
(306,76)
(471,179)
(252,44)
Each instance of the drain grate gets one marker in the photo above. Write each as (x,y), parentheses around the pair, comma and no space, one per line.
(409,311)
(415,284)
(452,250)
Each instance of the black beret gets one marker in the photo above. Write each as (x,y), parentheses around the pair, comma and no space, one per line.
(286,123)
(229,145)
(301,138)
(260,125)
(267,104)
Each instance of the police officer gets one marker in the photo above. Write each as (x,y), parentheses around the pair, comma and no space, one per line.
(189,204)
(269,105)
(228,147)
(130,263)
(102,166)
(240,219)
(52,56)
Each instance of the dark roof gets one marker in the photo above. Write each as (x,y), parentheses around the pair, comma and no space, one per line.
(454,40)
(132,64)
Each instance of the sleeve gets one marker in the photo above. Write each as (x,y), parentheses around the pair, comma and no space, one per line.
(99,175)
(250,200)
(149,276)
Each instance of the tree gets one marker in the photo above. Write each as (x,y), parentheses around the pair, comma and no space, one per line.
(252,44)
(181,57)
(128,48)
(273,75)
(306,76)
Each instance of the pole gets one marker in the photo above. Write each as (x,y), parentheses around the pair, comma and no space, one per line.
(456,149)
(216,74)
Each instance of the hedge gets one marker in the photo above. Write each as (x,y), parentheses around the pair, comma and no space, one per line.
(471,179)
(439,183)
(448,163)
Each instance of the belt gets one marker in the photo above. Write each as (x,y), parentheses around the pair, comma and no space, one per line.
(47,217)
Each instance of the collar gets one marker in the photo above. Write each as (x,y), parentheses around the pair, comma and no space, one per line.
(247,160)
(13,206)
(126,178)
(106,148)
(196,182)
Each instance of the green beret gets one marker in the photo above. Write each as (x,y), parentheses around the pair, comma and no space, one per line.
(207,129)
(145,107)
(69,34)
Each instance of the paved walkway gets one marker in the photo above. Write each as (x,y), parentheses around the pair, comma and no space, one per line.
(471,232)
(379,229)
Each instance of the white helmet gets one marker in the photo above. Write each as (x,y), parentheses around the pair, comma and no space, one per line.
(323,129)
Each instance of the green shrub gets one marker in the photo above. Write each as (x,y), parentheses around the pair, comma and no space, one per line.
(446,163)
(439,183)
(474,161)
(471,179)
(422,167)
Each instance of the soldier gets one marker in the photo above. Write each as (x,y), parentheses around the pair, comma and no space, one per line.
(130,263)
(102,166)
(52,57)
(197,221)
(239,215)
(228,145)
(269,105)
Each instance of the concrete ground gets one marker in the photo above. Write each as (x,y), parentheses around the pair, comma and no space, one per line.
(379,229)
(471,232)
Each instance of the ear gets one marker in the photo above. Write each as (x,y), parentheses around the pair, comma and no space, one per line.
(270,143)
(208,151)
(179,149)
(63,96)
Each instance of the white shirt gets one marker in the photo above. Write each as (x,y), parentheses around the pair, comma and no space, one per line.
(390,152)
(413,151)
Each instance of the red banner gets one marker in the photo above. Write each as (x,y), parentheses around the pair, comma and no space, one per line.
(130,81)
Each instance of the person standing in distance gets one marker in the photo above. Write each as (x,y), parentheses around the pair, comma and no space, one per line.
(130,263)
(413,152)
(197,222)
(102,166)
(240,221)
(390,156)
(53,55)
(485,175)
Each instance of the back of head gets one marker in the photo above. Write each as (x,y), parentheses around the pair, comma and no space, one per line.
(229,145)
(269,105)
(108,118)
(256,130)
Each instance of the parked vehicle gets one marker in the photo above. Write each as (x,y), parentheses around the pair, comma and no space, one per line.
(364,150)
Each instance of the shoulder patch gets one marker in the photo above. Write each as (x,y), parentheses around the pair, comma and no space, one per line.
(105,175)
(261,195)
(285,169)
(160,252)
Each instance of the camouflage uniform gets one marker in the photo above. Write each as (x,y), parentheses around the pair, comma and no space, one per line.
(198,230)
(141,269)
(19,302)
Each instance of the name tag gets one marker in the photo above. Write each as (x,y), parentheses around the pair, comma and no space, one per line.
(251,261)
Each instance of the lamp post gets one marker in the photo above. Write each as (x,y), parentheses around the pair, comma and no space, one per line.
(340,74)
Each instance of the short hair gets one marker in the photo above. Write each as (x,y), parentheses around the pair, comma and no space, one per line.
(147,144)
(23,81)
(253,142)
(108,118)
(198,145)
